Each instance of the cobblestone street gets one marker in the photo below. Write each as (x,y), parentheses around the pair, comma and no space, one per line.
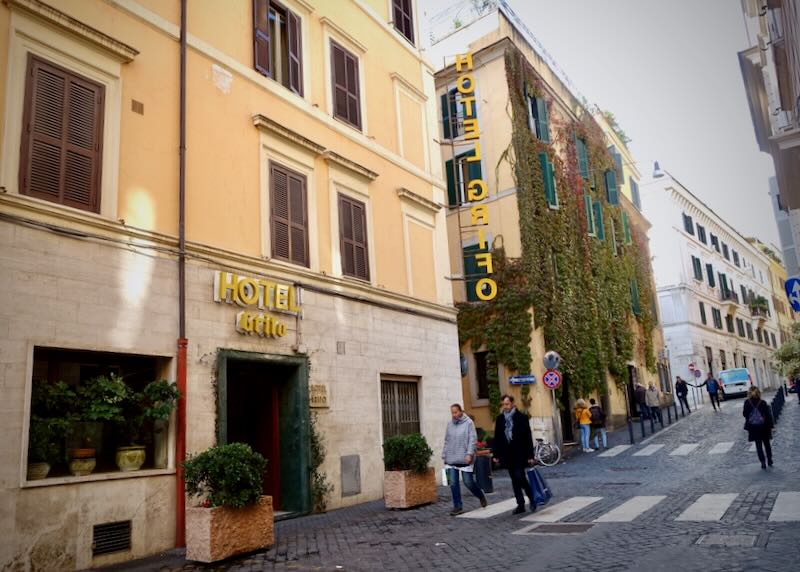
(659,536)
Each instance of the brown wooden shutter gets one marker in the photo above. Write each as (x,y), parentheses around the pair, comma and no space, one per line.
(261,39)
(288,213)
(403,19)
(353,233)
(346,91)
(61,149)
(294,43)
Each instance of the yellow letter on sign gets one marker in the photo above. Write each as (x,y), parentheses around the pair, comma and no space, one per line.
(476,190)
(484,260)
(490,287)
(464,60)
(479,214)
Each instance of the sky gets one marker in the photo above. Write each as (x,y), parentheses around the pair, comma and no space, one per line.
(669,71)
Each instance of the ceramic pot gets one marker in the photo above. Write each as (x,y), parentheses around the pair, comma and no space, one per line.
(82,467)
(37,471)
(130,458)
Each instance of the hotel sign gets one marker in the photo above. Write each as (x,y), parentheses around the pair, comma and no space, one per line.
(256,294)
(477,192)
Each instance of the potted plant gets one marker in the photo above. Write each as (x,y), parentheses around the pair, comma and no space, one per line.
(99,400)
(408,481)
(155,403)
(232,516)
(51,421)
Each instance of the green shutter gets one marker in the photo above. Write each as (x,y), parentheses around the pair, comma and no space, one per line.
(583,159)
(626,228)
(613,233)
(635,306)
(542,122)
(473,167)
(445,116)
(549,179)
(598,220)
(710,271)
(587,204)
(452,197)
(472,272)
(612,196)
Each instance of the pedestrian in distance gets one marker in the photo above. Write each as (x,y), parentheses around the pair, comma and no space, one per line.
(641,400)
(583,421)
(758,424)
(513,449)
(682,390)
(598,417)
(653,401)
(460,442)
(712,387)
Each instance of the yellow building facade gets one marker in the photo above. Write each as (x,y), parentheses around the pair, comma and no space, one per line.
(315,249)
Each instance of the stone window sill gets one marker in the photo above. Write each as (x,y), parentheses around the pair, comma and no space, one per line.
(96,477)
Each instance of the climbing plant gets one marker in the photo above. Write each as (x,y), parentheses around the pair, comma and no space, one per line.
(576,288)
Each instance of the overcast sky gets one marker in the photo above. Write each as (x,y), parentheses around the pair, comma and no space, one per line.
(669,71)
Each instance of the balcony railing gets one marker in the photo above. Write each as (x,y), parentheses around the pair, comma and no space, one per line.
(729,296)
(759,312)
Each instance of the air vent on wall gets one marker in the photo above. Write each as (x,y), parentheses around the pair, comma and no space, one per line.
(111,537)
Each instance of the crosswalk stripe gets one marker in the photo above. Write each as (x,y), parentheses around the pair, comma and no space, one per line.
(614,451)
(708,507)
(721,448)
(492,510)
(629,510)
(787,507)
(561,510)
(647,451)
(684,450)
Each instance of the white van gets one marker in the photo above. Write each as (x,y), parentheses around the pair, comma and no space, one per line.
(734,381)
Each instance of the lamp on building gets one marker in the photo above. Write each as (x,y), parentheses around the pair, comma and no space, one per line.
(657,172)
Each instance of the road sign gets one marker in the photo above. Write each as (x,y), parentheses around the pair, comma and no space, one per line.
(691,366)
(552,379)
(522,379)
(552,360)
(793,292)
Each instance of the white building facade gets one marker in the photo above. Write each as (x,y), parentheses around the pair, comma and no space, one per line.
(788,222)
(713,288)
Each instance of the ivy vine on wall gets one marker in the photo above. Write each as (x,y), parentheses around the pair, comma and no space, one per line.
(576,288)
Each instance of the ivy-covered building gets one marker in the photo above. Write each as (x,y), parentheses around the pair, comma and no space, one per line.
(560,215)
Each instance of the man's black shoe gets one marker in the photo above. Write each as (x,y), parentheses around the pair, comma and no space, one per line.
(533,507)
(519,510)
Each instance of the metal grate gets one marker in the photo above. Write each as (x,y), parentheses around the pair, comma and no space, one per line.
(111,537)
(400,404)
(561,528)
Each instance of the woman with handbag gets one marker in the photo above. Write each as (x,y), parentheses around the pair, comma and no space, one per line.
(583,419)
(758,424)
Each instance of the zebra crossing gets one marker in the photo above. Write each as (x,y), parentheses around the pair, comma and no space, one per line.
(681,450)
(705,508)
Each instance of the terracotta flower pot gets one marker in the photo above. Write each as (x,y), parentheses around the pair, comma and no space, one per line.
(217,533)
(82,453)
(483,452)
(406,489)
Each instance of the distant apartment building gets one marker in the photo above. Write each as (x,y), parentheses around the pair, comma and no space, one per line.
(714,287)
(788,222)
(778,276)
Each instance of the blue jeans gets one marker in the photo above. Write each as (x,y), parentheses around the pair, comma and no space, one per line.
(600,434)
(455,486)
(585,430)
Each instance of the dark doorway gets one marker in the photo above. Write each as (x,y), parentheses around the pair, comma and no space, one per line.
(263,402)
(633,379)
(567,422)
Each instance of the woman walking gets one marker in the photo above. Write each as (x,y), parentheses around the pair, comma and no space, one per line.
(583,418)
(460,441)
(758,424)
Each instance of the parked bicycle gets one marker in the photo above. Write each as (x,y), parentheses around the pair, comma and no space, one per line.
(546,453)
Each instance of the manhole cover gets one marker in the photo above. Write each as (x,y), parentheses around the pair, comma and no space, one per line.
(727,540)
(568,528)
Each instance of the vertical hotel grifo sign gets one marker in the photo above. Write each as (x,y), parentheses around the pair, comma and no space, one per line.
(486,287)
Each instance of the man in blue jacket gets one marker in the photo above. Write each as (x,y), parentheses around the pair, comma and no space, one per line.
(712,386)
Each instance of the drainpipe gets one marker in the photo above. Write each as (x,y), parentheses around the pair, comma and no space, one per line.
(180,446)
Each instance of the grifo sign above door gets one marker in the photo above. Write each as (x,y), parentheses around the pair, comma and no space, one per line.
(257,294)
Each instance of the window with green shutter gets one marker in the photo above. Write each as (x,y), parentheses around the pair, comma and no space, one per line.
(688,224)
(617,163)
(452,124)
(549,177)
(635,305)
(587,204)
(636,197)
(598,220)
(613,233)
(612,195)
(626,228)
(583,157)
(540,124)
(710,272)
(703,313)
(459,177)
(697,266)
(472,272)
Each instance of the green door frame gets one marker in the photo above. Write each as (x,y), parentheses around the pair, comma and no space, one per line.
(294,420)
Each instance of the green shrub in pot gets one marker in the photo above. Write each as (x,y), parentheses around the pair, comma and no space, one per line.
(226,475)
(406,453)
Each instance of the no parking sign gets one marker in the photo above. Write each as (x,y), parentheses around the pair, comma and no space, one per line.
(551,379)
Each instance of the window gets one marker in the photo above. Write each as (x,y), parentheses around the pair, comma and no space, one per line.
(710,359)
(701,234)
(403,18)
(663,378)
(697,266)
(613,233)
(744,360)
(549,178)
(735,258)
(725,251)
(723,286)
(452,118)
(617,163)
(635,306)
(759,337)
(459,178)
(729,323)
(740,327)
(774,343)
(277,44)
(637,199)
(346,90)
(472,272)
(587,204)
(749,330)
(288,214)
(612,195)
(538,119)
(723,360)
(480,375)
(710,273)
(62,135)
(598,220)
(399,406)
(353,238)
(583,157)
(626,228)
(703,313)
(66,388)
(714,241)
(744,294)
(688,225)
(717,316)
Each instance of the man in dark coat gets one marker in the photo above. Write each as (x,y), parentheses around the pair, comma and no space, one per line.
(513,448)
(682,390)
(758,424)
(641,400)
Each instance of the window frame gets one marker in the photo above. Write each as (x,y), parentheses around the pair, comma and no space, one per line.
(688,224)
(272,166)
(395,383)
(703,317)
(266,36)
(342,197)
(410,15)
(359,124)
